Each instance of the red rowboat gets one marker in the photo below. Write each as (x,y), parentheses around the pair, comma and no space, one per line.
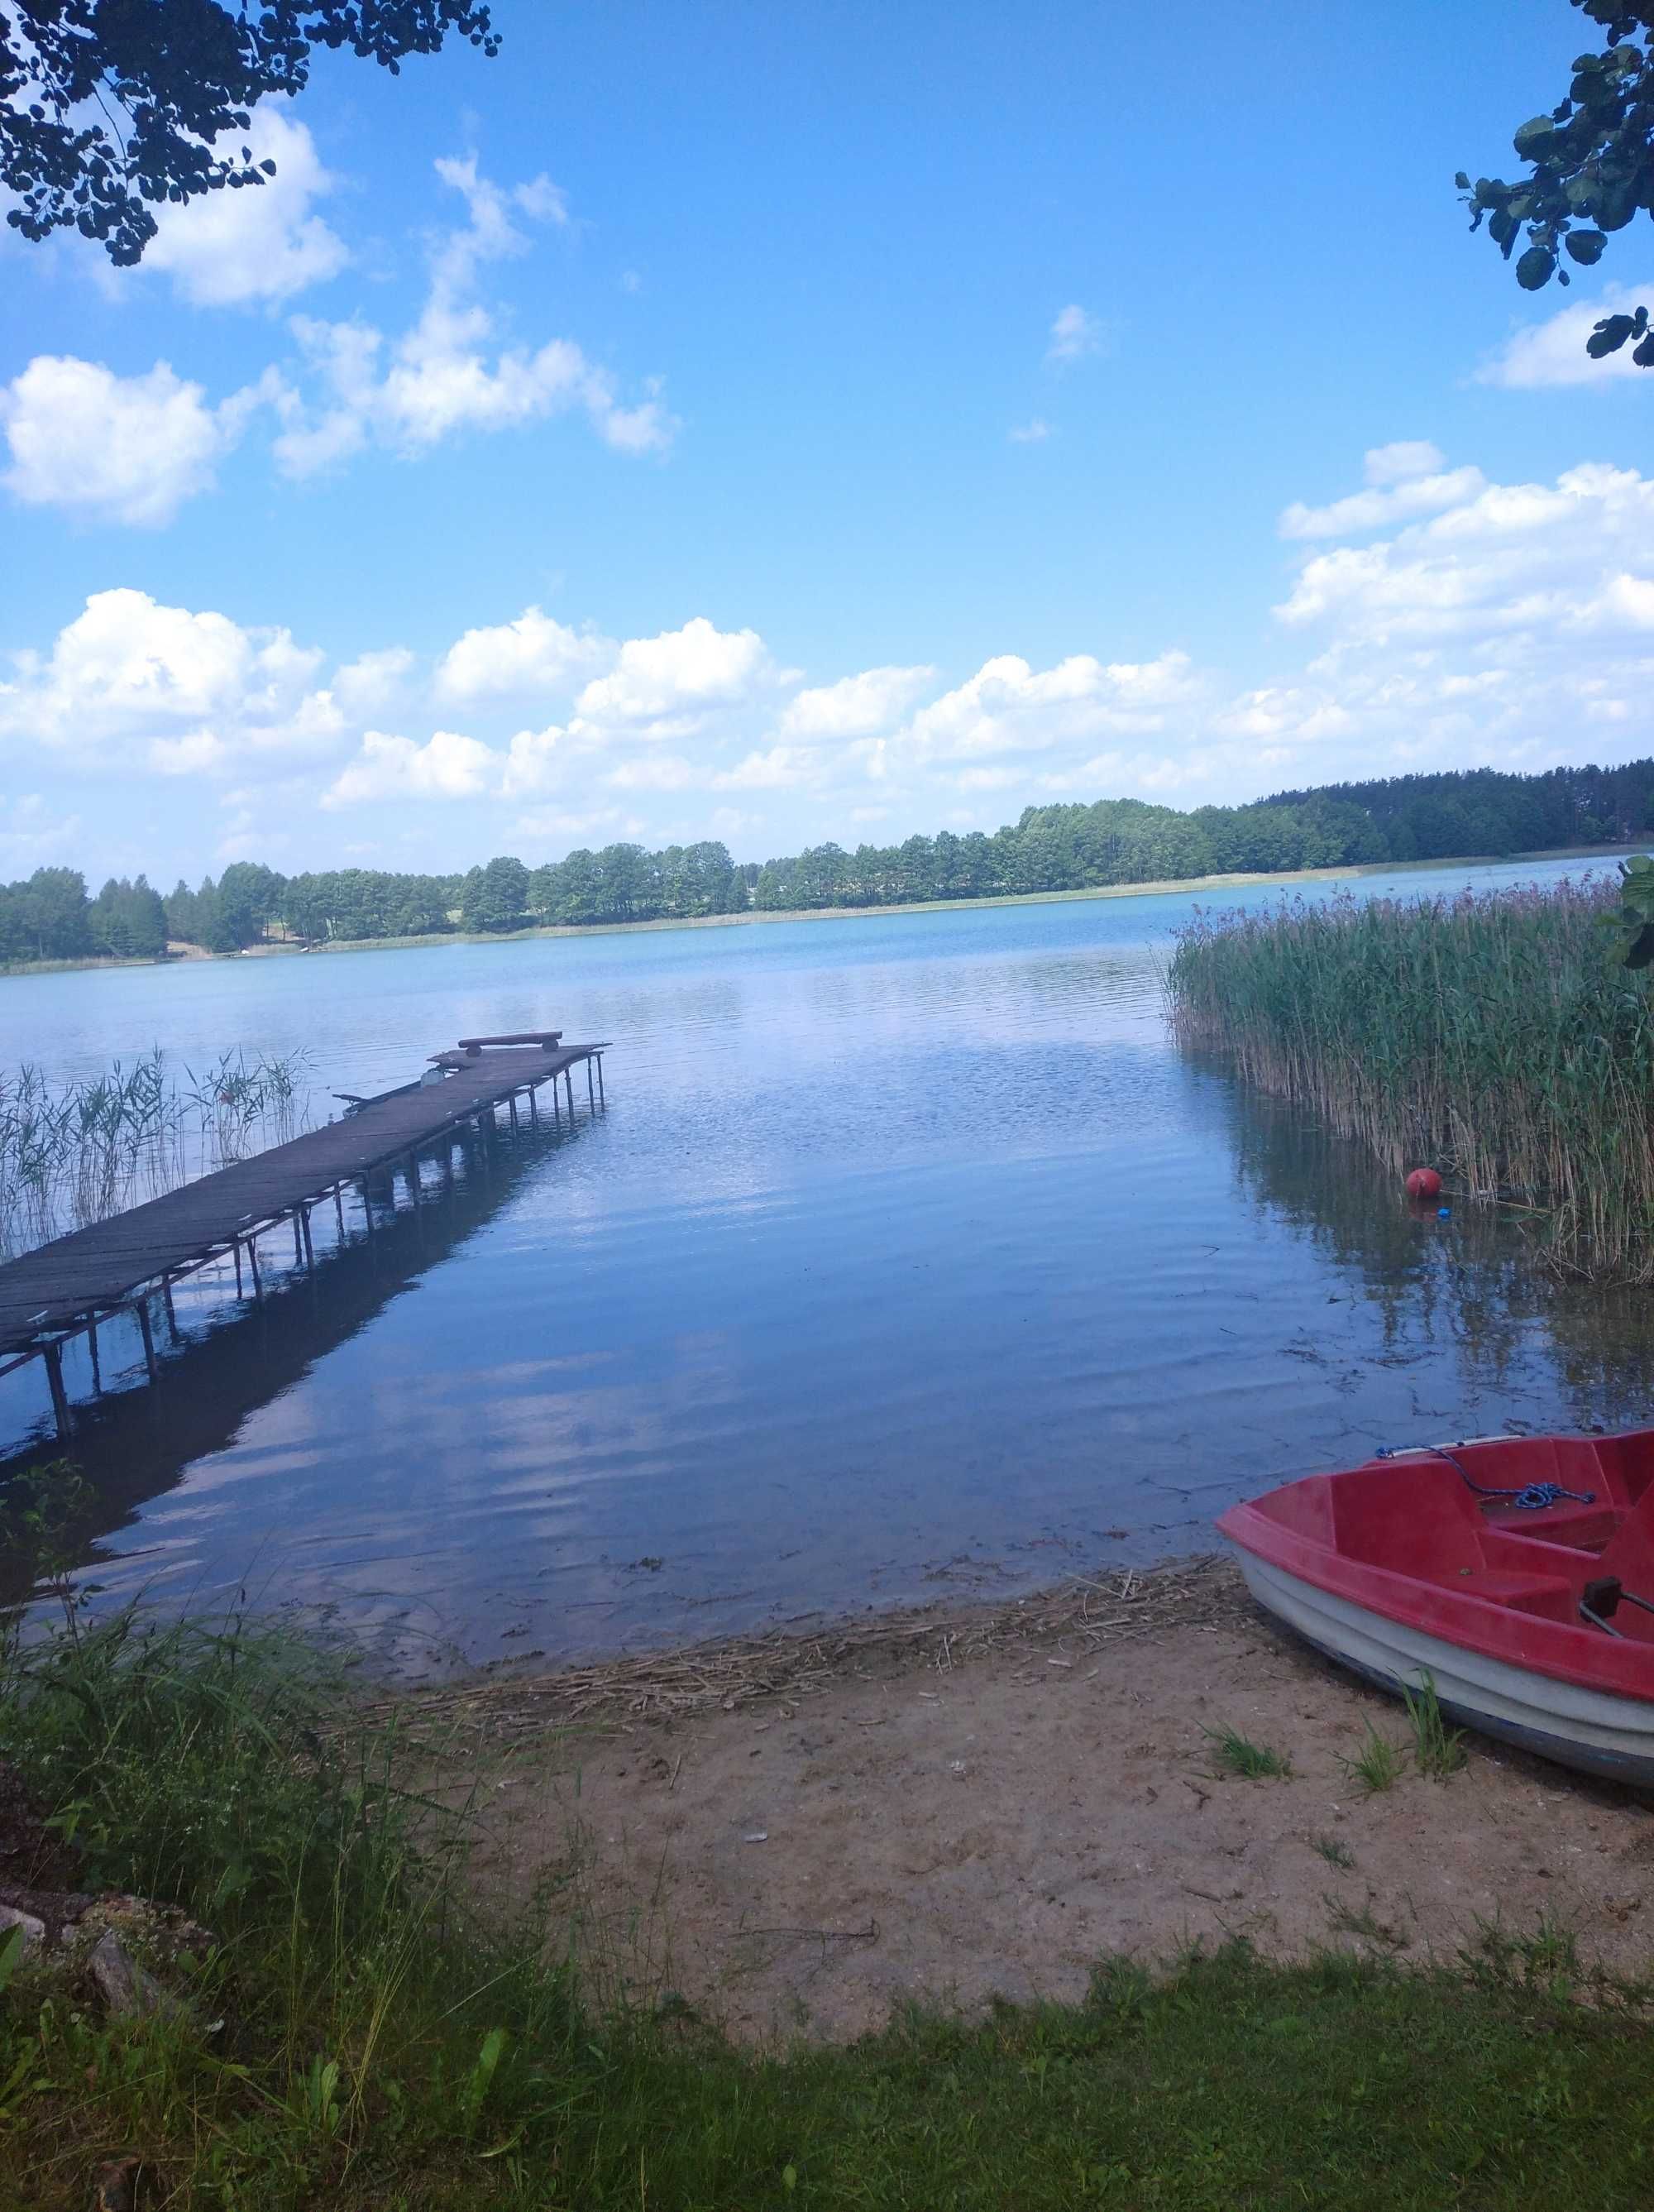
(1515,1572)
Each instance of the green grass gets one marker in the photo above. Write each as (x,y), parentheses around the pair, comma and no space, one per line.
(367,2038)
(1234,1753)
(1490,1037)
(1335,1853)
(1437,1750)
(1377,1765)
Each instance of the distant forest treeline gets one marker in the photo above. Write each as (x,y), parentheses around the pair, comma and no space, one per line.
(1478,812)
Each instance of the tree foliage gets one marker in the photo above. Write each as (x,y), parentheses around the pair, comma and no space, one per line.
(1591,168)
(1482,812)
(110,107)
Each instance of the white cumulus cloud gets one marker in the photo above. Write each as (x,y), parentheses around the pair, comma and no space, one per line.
(1405,479)
(134,684)
(448,374)
(447,766)
(239,246)
(533,654)
(109,448)
(855,707)
(1007,707)
(655,681)
(1551,355)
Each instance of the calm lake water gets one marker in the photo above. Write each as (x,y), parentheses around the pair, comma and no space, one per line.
(909,1255)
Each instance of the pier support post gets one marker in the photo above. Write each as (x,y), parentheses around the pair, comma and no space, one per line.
(591,1102)
(338,1207)
(53,1356)
(534,1107)
(568,1085)
(167,1300)
(235,1246)
(298,1241)
(368,1206)
(310,1250)
(252,1262)
(512,1103)
(601,1101)
(92,1346)
(140,1307)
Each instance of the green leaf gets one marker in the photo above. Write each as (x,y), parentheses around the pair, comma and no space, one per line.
(1531,140)
(1461,181)
(1536,268)
(1609,335)
(1585,246)
(1643,355)
(1615,204)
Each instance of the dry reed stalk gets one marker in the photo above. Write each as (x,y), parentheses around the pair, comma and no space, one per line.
(1079,1616)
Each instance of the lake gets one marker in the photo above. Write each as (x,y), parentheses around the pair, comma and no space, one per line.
(909,1257)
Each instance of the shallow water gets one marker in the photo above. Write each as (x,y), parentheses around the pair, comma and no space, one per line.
(910,1253)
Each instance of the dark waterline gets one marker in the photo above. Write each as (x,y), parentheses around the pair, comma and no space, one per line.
(910,1255)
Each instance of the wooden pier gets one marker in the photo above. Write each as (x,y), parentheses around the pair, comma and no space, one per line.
(65,1288)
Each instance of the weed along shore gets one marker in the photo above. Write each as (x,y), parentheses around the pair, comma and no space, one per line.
(998,1906)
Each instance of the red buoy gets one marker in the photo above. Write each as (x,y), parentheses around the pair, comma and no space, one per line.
(1424,1182)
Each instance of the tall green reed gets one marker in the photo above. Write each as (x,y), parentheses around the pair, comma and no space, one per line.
(76,1152)
(1489,1035)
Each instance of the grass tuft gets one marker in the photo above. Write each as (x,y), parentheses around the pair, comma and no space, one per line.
(1377,1765)
(1234,1753)
(1336,1854)
(1437,1750)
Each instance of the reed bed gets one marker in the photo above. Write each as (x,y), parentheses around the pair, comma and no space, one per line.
(77,1151)
(1490,1036)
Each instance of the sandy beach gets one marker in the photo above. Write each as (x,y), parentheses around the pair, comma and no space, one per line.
(795,1835)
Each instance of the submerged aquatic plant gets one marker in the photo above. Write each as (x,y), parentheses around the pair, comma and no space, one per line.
(1491,1034)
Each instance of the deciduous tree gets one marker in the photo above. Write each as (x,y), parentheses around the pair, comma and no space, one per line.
(109,108)
(1591,170)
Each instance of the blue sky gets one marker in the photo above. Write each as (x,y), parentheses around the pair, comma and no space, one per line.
(831,421)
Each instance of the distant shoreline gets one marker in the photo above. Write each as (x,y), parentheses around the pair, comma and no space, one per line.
(1240,881)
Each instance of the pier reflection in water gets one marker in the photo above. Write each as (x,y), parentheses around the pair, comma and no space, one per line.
(224,1354)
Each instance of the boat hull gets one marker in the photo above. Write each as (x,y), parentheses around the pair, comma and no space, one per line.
(1594,1731)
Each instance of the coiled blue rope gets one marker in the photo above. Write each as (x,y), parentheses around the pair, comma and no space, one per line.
(1532,1498)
